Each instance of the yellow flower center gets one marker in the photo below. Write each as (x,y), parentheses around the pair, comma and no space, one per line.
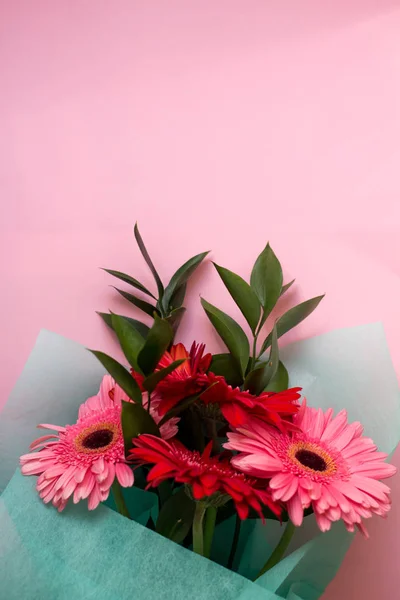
(311,458)
(96,438)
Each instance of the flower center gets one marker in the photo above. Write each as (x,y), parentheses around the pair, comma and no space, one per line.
(97,438)
(311,460)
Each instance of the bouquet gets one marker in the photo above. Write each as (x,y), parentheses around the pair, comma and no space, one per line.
(214,462)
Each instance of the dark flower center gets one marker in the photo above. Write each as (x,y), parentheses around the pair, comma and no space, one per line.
(311,460)
(98,439)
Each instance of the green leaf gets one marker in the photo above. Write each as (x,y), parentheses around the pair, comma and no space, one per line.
(136,420)
(180,277)
(287,286)
(130,340)
(176,517)
(257,380)
(130,280)
(231,333)
(225,365)
(151,382)
(243,295)
(178,296)
(157,342)
(293,317)
(120,374)
(175,317)
(266,279)
(138,325)
(146,307)
(280,381)
(149,262)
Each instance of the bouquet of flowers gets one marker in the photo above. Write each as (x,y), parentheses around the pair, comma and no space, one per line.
(214,461)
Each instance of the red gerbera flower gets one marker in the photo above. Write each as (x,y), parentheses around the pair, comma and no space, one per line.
(205,474)
(184,380)
(238,407)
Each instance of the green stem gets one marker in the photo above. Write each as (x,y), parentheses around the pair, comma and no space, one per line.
(235,541)
(280,549)
(197,528)
(119,499)
(209,526)
(253,357)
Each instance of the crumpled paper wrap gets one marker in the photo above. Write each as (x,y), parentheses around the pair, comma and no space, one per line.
(101,555)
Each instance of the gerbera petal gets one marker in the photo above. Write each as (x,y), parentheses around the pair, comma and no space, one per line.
(318,424)
(295,510)
(48,426)
(377,489)
(375,471)
(87,485)
(234,414)
(323,522)
(286,492)
(335,427)
(94,498)
(98,466)
(279,480)
(124,474)
(39,441)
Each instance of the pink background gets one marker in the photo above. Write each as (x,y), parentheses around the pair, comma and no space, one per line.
(217,125)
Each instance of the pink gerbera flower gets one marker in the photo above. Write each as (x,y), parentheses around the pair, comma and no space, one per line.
(82,460)
(326,464)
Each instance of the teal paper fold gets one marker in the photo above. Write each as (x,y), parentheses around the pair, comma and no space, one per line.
(81,554)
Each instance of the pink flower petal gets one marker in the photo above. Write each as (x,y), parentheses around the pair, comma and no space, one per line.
(288,491)
(350,491)
(35,467)
(295,510)
(55,470)
(375,471)
(69,488)
(363,530)
(377,489)
(343,439)
(87,485)
(107,483)
(42,439)
(79,474)
(124,474)
(323,522)
(304,497)
(48,426)
(316,490)
(334,513)
(335,427)
(65,477)
(98,466)
(328,496)
(94,498)
(317,426)
(279,480)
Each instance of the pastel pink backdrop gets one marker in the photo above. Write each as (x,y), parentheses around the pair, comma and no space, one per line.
(217,125)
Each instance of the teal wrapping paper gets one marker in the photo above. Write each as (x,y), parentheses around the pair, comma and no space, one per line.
(82,554)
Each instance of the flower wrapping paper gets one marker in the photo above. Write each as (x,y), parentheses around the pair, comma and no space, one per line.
(101,555)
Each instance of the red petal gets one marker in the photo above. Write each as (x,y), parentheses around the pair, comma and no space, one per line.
(198,491)
(234,414)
